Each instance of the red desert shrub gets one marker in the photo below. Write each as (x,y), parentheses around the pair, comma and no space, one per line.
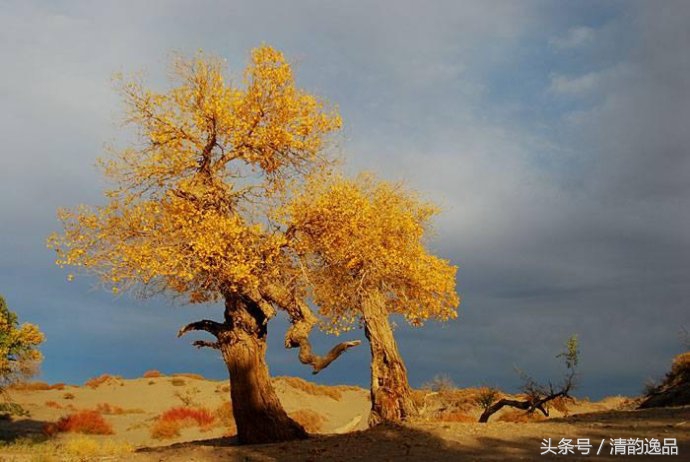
(152,374)
(95,382)
(168,424)
(88,422)
(201,416)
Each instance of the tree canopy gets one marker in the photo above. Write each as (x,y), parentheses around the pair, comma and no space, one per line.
(362,238)
(190,211)
(19,355)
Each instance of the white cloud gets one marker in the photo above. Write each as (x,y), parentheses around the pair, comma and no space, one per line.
(574,38)
(574,86)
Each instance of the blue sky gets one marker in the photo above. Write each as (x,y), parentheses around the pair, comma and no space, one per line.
(552,133)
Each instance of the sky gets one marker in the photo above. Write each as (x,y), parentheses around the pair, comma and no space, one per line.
(553,135)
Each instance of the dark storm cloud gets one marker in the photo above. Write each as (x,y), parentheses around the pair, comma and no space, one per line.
(554,138)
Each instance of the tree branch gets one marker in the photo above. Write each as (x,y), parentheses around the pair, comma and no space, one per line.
(303,321)
(529,405)
(318,363)
(212,327)
(205,344)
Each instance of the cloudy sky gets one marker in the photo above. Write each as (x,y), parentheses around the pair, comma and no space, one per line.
(554,135)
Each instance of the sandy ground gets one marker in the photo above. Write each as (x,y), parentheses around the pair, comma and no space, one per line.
(343,435)
(143,399)
(452,441)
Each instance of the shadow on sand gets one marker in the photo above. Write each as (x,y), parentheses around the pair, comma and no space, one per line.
(384,442)
(448,442)
(23,428)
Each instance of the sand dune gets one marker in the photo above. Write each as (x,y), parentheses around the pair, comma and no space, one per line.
(336,416)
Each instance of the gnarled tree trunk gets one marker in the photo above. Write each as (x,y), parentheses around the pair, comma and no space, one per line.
(241,338)
(258,413)
(391,396)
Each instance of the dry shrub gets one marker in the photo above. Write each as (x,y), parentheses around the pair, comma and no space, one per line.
(88,422)
(152,374)
(673,389)
(31,386)
(169,424)
(165,429)
(440,382)
(178,382)
(312,388)
(419,398)
(224,413)
(455,416)
(466,399)
(201,416)
(520,416)
(53,404)
(110,409)
(310,420)
(189,375)
(225,418)
(433,403)
(68,396)
(486,396)
(223,389)
(188,397)
(86,448)
(562,404)
(681,364)
(95,382)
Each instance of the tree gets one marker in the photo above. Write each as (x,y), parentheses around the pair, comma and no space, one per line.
(674,388)
(192,215)
(19,355)
(361,244)
(538,396)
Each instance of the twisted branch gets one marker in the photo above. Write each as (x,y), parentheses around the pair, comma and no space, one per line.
(303,321)
(212,327)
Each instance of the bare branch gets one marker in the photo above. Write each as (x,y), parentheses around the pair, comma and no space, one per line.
(529,405)
(205,344)
(212,327)
(318,363)
(303,321)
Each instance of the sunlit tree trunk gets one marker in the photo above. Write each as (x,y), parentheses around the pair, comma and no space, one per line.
(391,396)
(241,339)
(258,413)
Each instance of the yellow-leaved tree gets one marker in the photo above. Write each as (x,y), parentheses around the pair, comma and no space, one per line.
(192,214)
(19,355)
(361,245)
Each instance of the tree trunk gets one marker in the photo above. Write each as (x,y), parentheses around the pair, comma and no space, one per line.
(258,413)
(391,397)
(241,338)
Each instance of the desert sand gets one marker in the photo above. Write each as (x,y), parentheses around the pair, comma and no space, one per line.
(336,416)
